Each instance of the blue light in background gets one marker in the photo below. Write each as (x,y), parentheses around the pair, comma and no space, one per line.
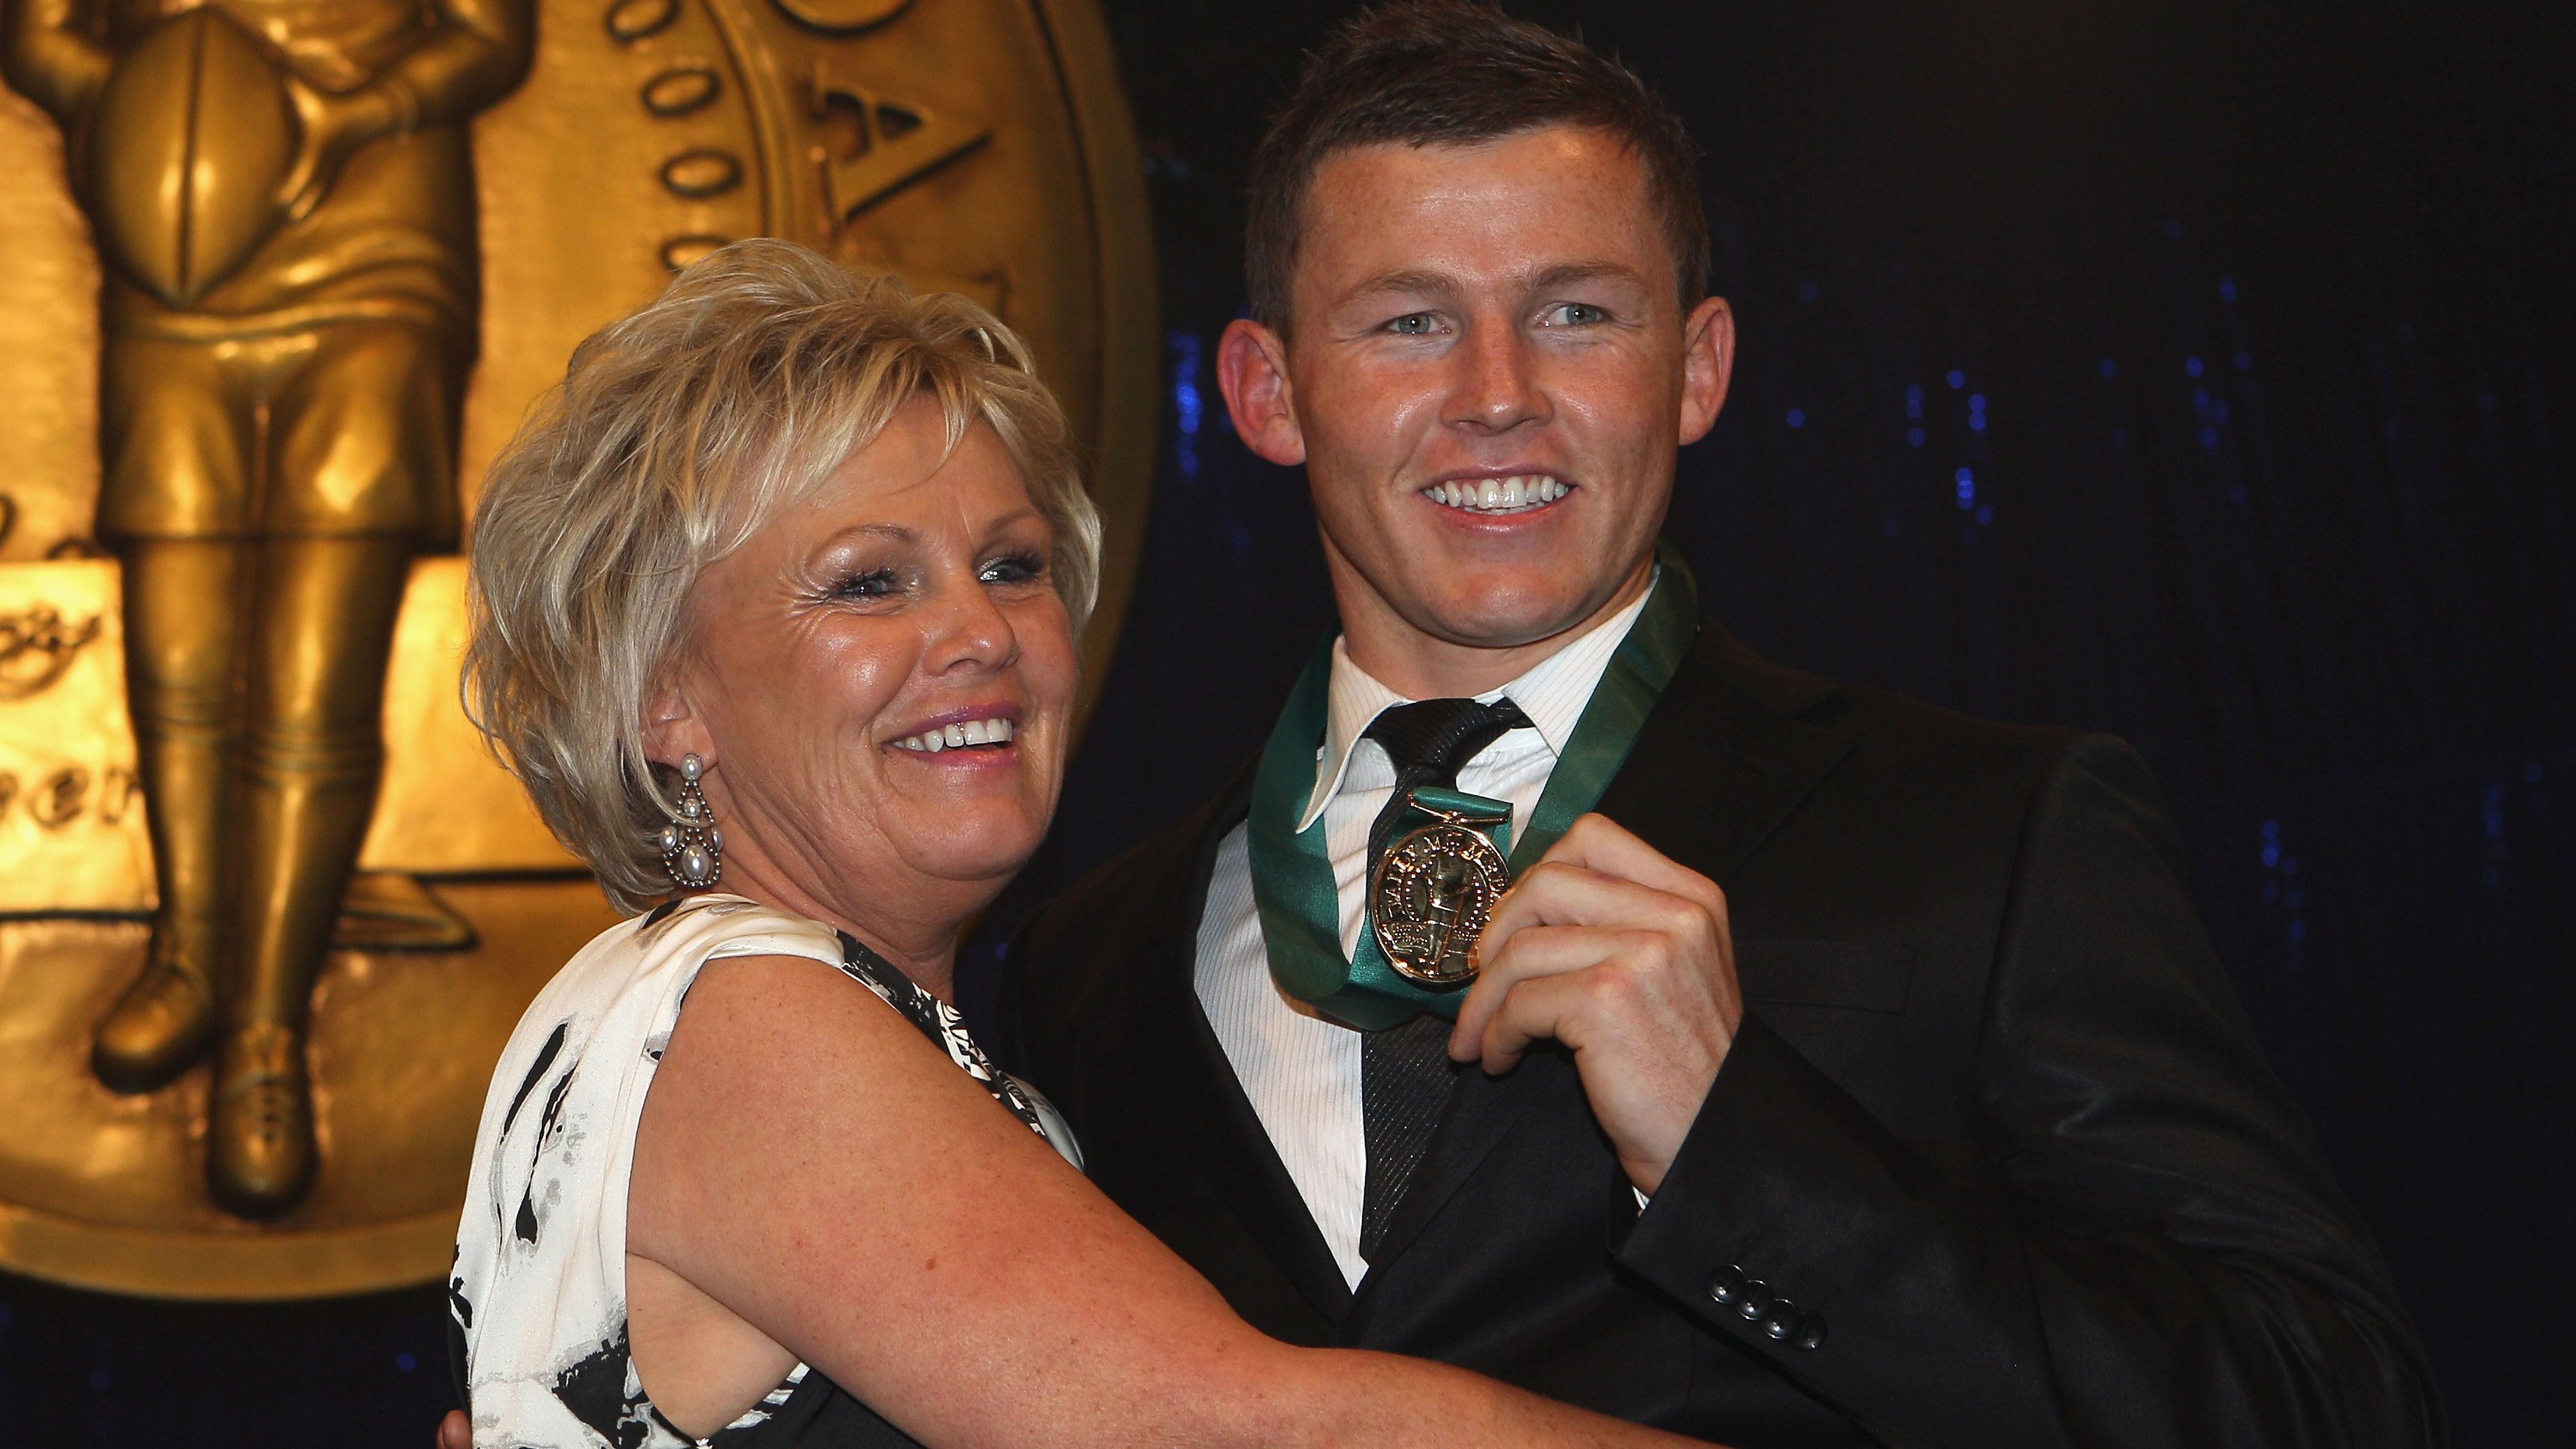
(2244,360)
(1956,379)
(1913,401)
(1806,291)
(1188,409)
(2107,368)
(2280,888)
(1914,437)
(1797,417)
(1966,479)
(2191,367)
(2227,290)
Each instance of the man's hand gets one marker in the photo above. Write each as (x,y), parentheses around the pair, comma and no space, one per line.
(456,1431)
(1611,948)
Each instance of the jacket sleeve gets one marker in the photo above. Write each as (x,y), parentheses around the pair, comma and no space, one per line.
(2146,1249)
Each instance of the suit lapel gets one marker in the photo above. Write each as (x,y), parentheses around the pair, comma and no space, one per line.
(1721,761)
(1724,758)
(1234,1152)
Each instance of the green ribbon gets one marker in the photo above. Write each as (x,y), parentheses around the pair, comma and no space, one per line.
(1292,878)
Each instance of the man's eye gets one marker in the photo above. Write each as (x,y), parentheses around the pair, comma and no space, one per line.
(873,585)
(1414,324)
(1573,314)
(1018,568)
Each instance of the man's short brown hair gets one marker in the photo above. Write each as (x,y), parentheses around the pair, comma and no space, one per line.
(1455,73)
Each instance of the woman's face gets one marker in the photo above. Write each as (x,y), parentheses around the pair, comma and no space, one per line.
(837,658)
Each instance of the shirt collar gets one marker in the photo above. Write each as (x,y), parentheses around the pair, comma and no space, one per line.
(1552,692)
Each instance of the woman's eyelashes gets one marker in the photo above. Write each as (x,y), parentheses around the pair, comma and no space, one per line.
(1013,568)
(868,585)
(872,585)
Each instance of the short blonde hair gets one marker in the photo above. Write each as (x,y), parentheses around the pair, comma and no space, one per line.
(675,435)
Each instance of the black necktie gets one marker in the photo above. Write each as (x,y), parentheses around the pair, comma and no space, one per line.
(1405,1070)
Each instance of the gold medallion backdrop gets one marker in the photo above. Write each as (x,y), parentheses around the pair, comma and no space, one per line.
(978,146)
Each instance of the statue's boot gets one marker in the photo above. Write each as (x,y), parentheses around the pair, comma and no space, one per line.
(165,1021)
(303,789)
(182,605)
(260,1154)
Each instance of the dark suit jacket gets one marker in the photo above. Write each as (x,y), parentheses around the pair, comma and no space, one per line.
(1993,1114)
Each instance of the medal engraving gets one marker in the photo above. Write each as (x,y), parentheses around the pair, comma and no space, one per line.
(1430,898)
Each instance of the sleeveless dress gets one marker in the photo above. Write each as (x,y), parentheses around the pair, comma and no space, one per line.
(537,1301)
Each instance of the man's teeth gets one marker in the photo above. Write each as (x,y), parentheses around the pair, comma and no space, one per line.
(958,736)
(1498,495)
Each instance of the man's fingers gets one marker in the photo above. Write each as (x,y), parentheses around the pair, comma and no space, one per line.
(1565,893)
(455,1431)
(1596,842)
(1536,951)
(1533,1010)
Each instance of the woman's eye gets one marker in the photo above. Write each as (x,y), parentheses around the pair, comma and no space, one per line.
(1574,314)
(1018,568)
(874,585)
(1414,324)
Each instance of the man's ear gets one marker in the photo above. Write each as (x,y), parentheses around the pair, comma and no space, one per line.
(1708,361)
(1252,371)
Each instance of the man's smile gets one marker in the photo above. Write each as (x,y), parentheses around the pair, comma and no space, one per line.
(1516,493)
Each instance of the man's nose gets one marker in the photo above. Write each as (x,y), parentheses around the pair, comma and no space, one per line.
(1496,386)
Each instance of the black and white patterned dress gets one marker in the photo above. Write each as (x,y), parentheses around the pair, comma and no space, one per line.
(538,1297)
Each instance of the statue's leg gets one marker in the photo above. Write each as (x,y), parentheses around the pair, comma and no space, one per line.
(305,787)
(351,464)
(177,437)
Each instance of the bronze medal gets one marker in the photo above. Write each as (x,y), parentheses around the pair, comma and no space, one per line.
(1430,897)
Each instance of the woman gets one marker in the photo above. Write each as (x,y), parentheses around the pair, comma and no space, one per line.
(781,594)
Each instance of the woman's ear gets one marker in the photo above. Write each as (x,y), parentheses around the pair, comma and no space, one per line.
(672,728)
(1252,372)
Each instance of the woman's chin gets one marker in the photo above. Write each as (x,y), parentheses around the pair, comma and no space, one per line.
(967,850)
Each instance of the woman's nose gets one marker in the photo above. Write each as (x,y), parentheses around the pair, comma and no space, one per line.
(968,629)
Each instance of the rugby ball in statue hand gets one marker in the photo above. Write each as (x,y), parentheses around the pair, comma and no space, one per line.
(188,148)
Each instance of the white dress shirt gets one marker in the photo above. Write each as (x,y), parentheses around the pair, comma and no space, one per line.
(1301,1072)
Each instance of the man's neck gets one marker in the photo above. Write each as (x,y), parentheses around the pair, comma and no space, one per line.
(1417,665)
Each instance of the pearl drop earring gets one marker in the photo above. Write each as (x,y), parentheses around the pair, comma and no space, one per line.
(692,846)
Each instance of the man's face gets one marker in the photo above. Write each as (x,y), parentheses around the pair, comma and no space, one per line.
(1487,377)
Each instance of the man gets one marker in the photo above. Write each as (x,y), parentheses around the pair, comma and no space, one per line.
(1852,1073)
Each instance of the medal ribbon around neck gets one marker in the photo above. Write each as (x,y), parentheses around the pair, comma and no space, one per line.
(1292,878)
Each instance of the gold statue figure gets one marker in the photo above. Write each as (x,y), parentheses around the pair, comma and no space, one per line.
(282,191)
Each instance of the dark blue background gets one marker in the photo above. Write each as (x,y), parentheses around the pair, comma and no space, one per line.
(2191,372)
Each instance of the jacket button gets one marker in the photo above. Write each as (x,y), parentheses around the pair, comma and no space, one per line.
(1726,1284)
(1809,1332)
(1755,1302)
(1780,1320)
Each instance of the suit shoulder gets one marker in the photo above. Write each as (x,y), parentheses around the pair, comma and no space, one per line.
(1113,889)
(1897,731)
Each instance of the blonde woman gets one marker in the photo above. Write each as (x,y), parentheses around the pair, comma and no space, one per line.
(774,614)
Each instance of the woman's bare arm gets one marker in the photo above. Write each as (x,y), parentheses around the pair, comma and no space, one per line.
(811,1163)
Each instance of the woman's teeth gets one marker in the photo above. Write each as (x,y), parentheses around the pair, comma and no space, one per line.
(1498,495)
(958,736)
